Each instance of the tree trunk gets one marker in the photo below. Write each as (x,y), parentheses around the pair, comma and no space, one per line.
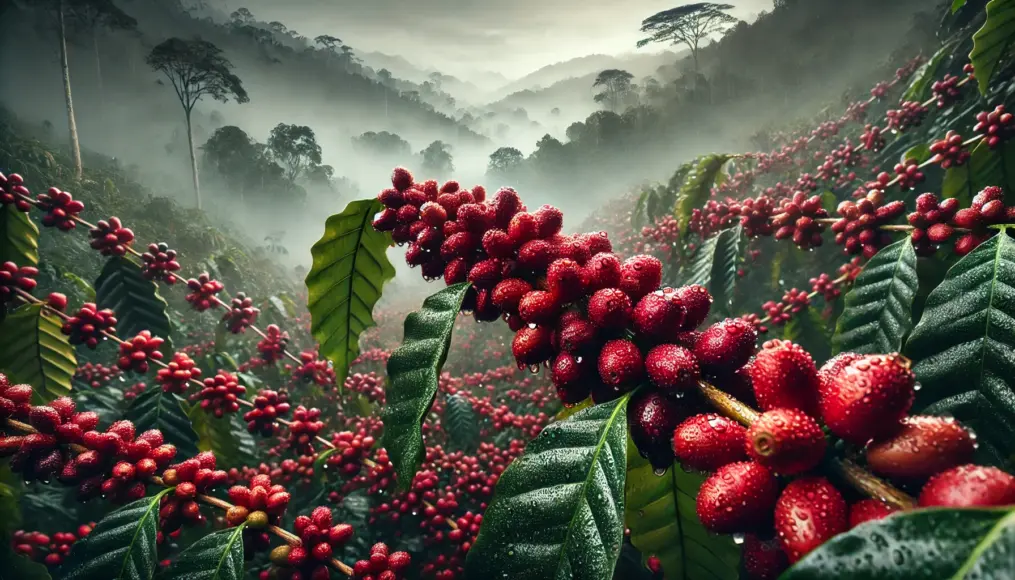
(193,161)
(71,122)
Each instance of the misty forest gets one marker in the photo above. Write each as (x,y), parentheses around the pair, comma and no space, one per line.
(528,290)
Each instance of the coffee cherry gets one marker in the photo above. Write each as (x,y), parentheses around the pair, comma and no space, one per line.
(786,441)
(868,397)
(738,497)
(708,442)
(726,345)
(809,512)
(672,368)
(921,447)
(969,486)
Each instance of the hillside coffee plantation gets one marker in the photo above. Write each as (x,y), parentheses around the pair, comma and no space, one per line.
(796,362)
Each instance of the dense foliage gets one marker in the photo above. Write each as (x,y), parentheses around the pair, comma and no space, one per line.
(297,434)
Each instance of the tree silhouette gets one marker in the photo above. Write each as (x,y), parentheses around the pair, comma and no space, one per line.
(196,69)
(436,159)
(614,86)
(295,148)
(93,15)
(383,144)
(688,24)
(505,161)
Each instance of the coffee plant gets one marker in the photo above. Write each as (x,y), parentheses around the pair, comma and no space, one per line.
(859,423)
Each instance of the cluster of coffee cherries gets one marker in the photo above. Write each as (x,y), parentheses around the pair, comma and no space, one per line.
(268,407)
(272,347)
(996,126)
(177,375)
(48,549)
(986,209)
(190,478)
(305,426)
(61,208)
(13,192)
(110,238)
(135,353)
(857,230)
(159,263)
(241,313)
(793,301)
(863,400)
(382,564)
(220,394)
(89,325)
(320,538)
(14,278)
(203,292)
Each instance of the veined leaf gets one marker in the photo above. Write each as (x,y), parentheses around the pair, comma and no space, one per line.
(697,186)
(121,546)
(983,168)
(460,423)
(19,237)
(135,300)
(157,409)
(413,371)
(87,289)
(226,436)
(992,41)
(662,516)
(566,412)
(558,510)
(715,266)
(217,556)
(345,282)
(960,544)
(926,75)
(878,312)
(919,153)
(811,330)
(35,352)
(964,345)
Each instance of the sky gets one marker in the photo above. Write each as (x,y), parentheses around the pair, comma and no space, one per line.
(510,37)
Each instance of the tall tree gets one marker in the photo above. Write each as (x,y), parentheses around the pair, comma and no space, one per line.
(614,86)
(196,69)
(436,159)
(504,162)
(295,148)
(72,124)
(94,15)
(689,25)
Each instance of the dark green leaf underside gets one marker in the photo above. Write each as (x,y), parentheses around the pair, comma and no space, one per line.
(350,268)
(135,300)
(122,545)
(35,352)
(992,41)
(413,371)
(715,266)
(964,345)
(19,237)
(157,409)
(557,512)
(697,186)
(460,423)
(956,544)
(878,310)
(217,556)
(662,517)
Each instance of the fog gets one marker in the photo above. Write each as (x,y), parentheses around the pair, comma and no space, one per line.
(508,81)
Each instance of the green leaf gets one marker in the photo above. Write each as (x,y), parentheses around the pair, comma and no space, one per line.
(992,41)
(811,330)
(345,281)
(960,544)
(715,267)
(19,237)
(964,345)
(460,423)
(122,545)
(558,510)
(878,312)
(413,371)
(697,186)
(662,516)
(157,409)
(217,556)
(983,168)
(918,153)
(320,464)
(638,217)
(135,300)
(226,436)
(35,352)
(86,289)
(926,75)
(957,4)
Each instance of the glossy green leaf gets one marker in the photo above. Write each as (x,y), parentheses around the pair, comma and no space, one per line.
(715,267)
(413,371)
(663,519)
(135,300)
(992,41)
(121,546)
(919,153)
(558,510)
(87,290)
(985,167)
(35,352)
(924,77)
(964,345)
(217,556)
(157,409)
(957,4)
(19,237)
(349,271)
(944,543)
(460,423)
(878,312)
(697,186)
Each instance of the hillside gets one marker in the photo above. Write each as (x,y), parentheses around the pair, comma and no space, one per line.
(637,63)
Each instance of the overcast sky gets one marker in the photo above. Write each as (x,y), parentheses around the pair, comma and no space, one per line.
(512,37)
